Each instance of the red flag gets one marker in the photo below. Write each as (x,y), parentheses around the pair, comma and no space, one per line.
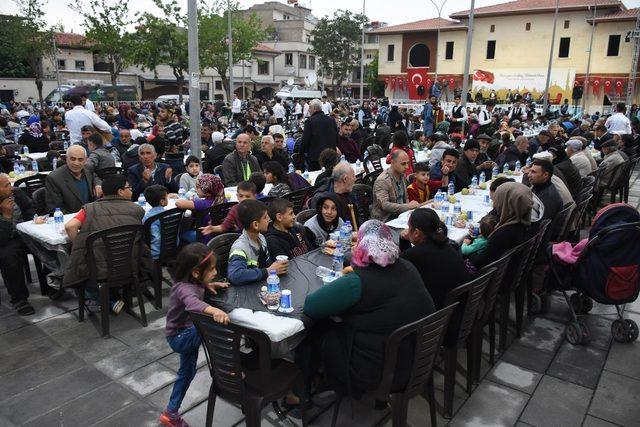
(607,86)
(400,83)
(387,81)
(596,85)
(418,83)
(393,83)
(619,87)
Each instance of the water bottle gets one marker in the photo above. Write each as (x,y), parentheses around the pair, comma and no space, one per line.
(358,164)
(366,154)
(65,144)
(16,168)
(518,165)
(22,169)
(34,166)
(505,168)
(141,200)
(344,237)
(114,154)
(323,272)
(457,208)
(305,175)
(451,188)
(338,259)
(483,177)
(474,182)
(58,220)
(349,231)
(291,168)
(25,150)
(444,208)
(273,291)
(54,163)
(495,172)
(343,158)
(592,146)
(182,193)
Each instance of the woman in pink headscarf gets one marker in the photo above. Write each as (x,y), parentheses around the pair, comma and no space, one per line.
(210,191)
(381,293)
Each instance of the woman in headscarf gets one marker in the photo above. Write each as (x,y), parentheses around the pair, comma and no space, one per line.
(35,140)
(326,220)
(512,203)
(380,293)
(210,191)
(443,127)
(124,118)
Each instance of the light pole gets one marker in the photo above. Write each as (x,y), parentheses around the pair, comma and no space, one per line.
(194,80)
(362,59)
(586,76)
(467,57)
(545,104)
(439,9)
(230,41)
(55,60)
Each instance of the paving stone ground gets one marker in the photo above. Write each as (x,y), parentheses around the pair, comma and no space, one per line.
(55,371)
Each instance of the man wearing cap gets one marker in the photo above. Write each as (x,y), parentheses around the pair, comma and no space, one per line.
(575,151)
(466,169)
(612,160)
(458,116)
(483,162)
(601,135)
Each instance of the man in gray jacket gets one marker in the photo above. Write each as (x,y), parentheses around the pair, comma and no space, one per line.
(70,186)
(239,165)
(390,190)
(99,158)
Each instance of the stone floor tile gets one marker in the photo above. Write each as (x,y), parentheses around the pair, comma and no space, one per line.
(20,336)
(24,355)
(128,360)
(60,323)
(557,403)
(590,421)
(146,380)
(521,379)
(491,405)
(599,330)
(578,364)
(527,357)
(616,399)
(11,322)
(543,334)
(198,392)
(138,414)
(225,414)
(623,359)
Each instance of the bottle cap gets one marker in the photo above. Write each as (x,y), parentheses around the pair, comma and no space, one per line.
(272,272)
(263,289)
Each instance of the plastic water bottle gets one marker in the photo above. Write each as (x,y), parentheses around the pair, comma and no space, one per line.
(444,208)
(25,150)
(344,237)
(22,169)
(592,146)
(518,165)
(323,272)
(348,228)
(358,164)
(291,168)
(528,161)
(495,172)
(457,207)
(114,154)
(366,154)
(58,220)
(54,163)
(273,291)
(141,200)
(505,168)
(338,259)
(182,193)
(305,175)
(34,166)
(343,158)
(451,188)
(474,182)
(16,168)
(483,177)
(65,144)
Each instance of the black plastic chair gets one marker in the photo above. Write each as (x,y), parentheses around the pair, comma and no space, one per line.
(218,213)
(251,380)
(39,198)
(298,198)
(363,195)
(170,221)
(105,172)
(221,246)
(305,215)
(426,335)
(372,163)
(370,178)
(633,162)
(559,223)
(218,171)
(267,200)
(121,249)
(31,183)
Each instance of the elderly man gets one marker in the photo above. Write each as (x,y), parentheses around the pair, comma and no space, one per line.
(358,133)
(123,143)
(147,172)
(483,162)
(517,152)
(239,165)
(341,184)
(15,207)
(390,190)
(268,153)
(613,158)
(575,151)
(320,132)
(78,117)
(347,146)
(70,186)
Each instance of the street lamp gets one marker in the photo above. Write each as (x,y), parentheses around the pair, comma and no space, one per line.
(439,9)
(362,59)
(553,40)
(467,57)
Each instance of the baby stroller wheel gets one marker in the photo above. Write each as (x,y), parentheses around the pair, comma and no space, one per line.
(540,303)
(624,330)
(577,333)
(587,304)
(632,329)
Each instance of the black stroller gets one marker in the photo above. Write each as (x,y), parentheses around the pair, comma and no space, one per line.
(607,270)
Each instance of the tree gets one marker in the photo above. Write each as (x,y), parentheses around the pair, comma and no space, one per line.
(11,62)
(376,87)
(336,41)
(212,38)
(105,23)
(163,40)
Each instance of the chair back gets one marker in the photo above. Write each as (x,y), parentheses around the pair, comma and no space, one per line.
(493,287)
(588,181)
(218,171)
(298,198)
(104,172)
(520,263)
(469,296)
(170,221)
(305,215)
(363,195)
(619,176)
(31,183)
(221,246)
(370,178)
(427,335)
(560,221)
(40,201)
(372,163)
(119,251)
(218,213)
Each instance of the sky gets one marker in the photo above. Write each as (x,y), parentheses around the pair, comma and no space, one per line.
(389,11)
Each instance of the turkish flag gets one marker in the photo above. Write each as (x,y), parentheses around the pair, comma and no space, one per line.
(607,86)
(596,85)
(387,81)
(619,87)
(417,78)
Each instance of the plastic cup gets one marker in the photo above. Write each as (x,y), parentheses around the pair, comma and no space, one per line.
(282,258)
(285,301)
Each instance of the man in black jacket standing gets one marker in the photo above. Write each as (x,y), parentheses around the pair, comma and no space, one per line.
(15,207)
(320,132)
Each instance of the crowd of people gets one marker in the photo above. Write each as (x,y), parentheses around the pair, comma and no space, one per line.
(250,144)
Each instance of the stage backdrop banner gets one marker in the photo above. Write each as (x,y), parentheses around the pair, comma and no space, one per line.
(524,80)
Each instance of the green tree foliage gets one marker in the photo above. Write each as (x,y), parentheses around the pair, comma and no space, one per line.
(376,87)
(336,41)
(212,38)
(105,22)
(162,40)
(11,61)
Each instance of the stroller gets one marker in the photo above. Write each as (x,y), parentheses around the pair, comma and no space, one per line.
(606,269)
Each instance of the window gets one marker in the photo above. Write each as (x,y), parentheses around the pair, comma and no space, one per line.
(79,65)
(369,56)
(491,49)
(218,84)
(62,64)
(449,51)
(566,25)
(372,38)
(492,28)
(527,26)
(390,52)
(312,62)
(303,61)
(288,59)
(565,43)
(613,48)
(419,55)
(263,68)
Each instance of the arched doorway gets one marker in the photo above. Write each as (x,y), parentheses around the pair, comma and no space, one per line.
(419,55)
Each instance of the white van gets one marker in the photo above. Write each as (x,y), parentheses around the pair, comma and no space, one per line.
(172,98)
(293,91)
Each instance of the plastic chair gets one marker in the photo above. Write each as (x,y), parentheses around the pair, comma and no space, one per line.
(363,195)
(427,335)
(633,161)
(221,246)
(104,172)
(218,171)
(305,215)
(559,223)
(218,213)
(370,178)
(465,315)
(170,221)
(252,380)
(31,183)
(298,198)
(117,247)
(372,163)
(39,198)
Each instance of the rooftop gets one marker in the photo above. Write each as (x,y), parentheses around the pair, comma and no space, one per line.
(423,25)
(260,47)
(620,15)
(532,6)
(71,40)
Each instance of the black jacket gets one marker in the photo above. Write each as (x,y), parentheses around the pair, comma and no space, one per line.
(7,229)
(499,242)
(291,244)
(215,156)
(35,145)
(464,172)
(550,198)
(278,156)
(571,176)
(510,156)
(320,132)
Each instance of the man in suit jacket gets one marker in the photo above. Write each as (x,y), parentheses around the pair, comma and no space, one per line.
(320,132)
(148,172)
(239,165)
(70,186)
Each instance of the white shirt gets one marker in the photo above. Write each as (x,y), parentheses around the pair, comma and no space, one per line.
(484,117)
(297,109)
(463,111)
(519,113)
(237,106)
(618,123)
(88,105)
(278,111)
(79,117)
(326,107)
(305,110)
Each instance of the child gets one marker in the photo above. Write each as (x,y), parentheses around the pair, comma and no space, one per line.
(210,191)
(260,181)
(156,196)
(188,179)
(325,221)
(249,255)
(246,190)
(276,175)
(195,270)
(418,190)
(284,236)
(470,246)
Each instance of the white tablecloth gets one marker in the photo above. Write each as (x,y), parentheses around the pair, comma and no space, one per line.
(276,327)
(36,156)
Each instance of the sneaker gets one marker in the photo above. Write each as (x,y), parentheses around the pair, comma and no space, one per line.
(117,306)
(172,419)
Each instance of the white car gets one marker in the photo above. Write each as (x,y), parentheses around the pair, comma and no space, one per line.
(293,91)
